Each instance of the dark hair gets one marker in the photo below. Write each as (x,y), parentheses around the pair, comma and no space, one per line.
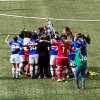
(79,35)
(41,29)
(87,38)
(22,33)
(27,34)
(21,36)
(47,37)
(67,29)
(15,38)
(68,32)
(57,37)
(63,36)
(34,35)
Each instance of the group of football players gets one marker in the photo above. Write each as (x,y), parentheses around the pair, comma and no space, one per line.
(47,53)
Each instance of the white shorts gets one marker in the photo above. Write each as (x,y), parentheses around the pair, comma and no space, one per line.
(74,71)
(33,59)
(15,58)
(72,63)
(53,59)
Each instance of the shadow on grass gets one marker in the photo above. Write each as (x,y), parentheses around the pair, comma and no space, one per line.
(93,88)
(14,9)
(9,78)
(15,98)
(95,69)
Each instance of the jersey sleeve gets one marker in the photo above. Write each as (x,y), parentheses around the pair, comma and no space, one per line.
(9,42)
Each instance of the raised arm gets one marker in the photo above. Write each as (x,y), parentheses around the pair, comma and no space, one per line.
(6,39)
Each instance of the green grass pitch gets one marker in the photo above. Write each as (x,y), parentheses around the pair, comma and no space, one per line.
(25,89)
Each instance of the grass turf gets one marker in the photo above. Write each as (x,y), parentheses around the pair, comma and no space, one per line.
(24,89)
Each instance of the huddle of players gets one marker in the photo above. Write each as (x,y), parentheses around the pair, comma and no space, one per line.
(40,57)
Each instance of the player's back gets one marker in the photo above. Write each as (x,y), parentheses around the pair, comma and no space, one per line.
(54,48)
(33,48)
(15,47)
(62,49)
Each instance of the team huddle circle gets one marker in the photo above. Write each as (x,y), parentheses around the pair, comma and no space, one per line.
(48,54)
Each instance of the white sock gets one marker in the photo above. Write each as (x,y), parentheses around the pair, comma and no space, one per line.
(20,67)
(31,71)
(13,72)
(36,69)
(17,72)
(51,70)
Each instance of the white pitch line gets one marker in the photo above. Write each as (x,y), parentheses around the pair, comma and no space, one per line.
(45,18)
(12,0)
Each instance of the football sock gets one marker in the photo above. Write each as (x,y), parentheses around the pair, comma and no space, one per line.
(31,71)
(13,72)
(17,72)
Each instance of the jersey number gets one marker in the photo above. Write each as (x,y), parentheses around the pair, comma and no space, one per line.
(63,49)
